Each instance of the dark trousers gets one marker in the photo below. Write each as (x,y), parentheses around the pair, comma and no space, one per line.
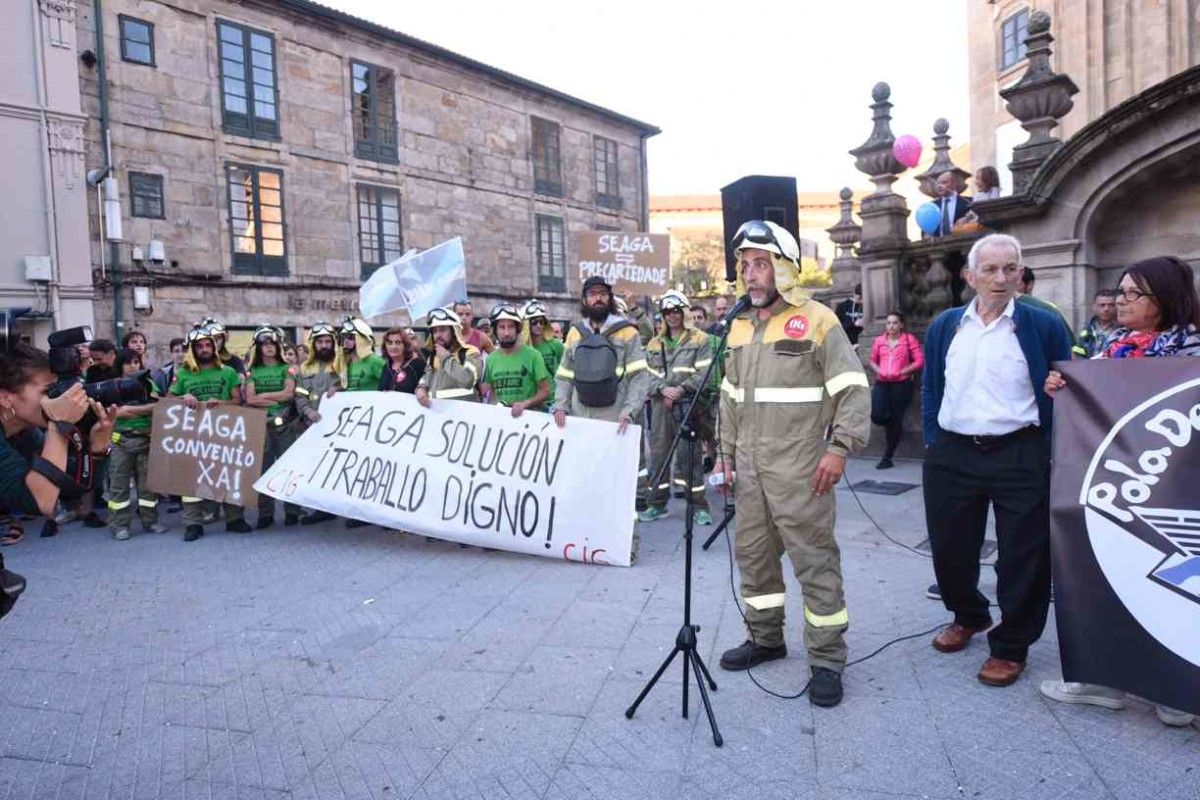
(1012,475)
(889,402)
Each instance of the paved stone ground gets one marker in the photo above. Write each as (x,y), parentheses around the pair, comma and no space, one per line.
(324,663)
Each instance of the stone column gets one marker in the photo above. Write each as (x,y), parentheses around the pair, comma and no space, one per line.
(1039,100)
(845,233)
(884,216)
(941,162)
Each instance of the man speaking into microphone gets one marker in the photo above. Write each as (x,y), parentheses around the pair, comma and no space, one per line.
(791,376)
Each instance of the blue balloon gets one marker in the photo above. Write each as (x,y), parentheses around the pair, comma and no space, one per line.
(929,218)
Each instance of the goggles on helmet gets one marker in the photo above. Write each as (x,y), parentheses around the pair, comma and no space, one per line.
(213,327)
(533,309)
(267,333)
(444,317)
(673,300)
(762,235)
(197,333)
(505,311)
(321,329)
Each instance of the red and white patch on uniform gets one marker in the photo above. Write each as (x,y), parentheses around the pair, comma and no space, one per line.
(796,327)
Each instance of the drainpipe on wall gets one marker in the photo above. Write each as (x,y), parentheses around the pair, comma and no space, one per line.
(114,253)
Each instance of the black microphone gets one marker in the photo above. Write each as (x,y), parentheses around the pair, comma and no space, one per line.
(741,305)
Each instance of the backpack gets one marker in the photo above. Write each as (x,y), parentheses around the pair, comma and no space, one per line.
(596,362)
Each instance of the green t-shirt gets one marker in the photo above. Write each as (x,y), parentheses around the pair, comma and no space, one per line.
(552,353)
(133,424)
(515,377)
(364,374)
(271,378)
(214,383)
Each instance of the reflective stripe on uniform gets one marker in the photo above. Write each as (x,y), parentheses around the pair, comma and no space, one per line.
(689,370)
(655,372)
(187,499)
(447,394)
(787,394)
(664,486)
(702,363)
(698,489)
(735,392)
(761,602)
(115,506)
(837,619)
(300,390)
(147,503)
(563,372)
(643,473)
(472,367)
(844,381)
(631,367)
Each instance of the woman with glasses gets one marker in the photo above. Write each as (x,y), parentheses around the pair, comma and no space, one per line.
(1158,316)
(404,364)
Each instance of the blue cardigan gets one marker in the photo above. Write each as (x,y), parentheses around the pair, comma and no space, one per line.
(1043,340)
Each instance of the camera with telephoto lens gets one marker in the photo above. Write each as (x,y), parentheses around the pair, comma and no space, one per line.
(65,364)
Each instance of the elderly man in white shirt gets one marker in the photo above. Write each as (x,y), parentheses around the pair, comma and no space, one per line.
(987,436)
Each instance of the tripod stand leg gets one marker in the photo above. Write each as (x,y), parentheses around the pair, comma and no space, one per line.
(629,712)
(701,669)
(719,530)
(712,720)
(687,659)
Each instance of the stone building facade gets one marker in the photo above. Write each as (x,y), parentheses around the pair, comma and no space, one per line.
(271,153)
(1112,49)
(43,230)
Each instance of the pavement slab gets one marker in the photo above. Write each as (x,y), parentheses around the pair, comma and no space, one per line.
(325,663)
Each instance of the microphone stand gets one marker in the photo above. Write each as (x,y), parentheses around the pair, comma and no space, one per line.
(685,640)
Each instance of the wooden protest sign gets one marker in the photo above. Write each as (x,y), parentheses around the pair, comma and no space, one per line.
(631,262)
(468,472)
(214,453)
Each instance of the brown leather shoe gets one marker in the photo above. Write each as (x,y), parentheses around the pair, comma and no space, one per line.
(998,672)
(954,637)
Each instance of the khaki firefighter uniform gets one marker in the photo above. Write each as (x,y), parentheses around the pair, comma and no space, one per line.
(454,378)
(787,380)
(682,363)
(127,460)
(631,369)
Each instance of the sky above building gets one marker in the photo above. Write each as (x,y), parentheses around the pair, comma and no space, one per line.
(770,88)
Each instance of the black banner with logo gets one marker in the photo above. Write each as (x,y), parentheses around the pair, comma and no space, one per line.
(1125,526)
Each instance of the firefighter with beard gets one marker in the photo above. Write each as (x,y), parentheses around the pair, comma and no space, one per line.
(203,380)
(791,376)
(679,357)
(359,366)
(219,338)
(317,380)
(271,385)
(539,334)
(456,366)
(515,374)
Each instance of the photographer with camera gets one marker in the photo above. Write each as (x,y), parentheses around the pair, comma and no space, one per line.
(33,483)
(129,457)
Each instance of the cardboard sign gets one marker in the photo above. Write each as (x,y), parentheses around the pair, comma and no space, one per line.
(631,262)
(214,453)
(1125,526)
(468,472)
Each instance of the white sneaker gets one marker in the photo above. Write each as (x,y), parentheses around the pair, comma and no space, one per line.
(1085,693)
(157,527)
(65,516)
(1173,718)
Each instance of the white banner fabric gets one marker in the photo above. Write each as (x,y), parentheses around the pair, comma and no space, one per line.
(467,472)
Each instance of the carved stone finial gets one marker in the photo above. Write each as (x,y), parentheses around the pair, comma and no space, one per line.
(874,156)
(845,194)
(941,162)
(845,233)
(1039,100)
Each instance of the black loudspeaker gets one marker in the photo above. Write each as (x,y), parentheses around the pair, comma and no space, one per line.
(763,197)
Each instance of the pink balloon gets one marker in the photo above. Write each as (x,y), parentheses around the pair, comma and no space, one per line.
(907,150)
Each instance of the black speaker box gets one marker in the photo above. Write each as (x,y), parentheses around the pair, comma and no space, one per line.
(765,197)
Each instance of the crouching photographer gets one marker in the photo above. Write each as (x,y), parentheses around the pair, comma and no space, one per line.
(37,468)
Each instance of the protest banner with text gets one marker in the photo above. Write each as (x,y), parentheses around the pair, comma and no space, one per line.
(1125,526)
(467,472)
(214,453)
(631,262)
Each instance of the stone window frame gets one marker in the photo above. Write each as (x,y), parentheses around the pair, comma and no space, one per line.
(258,262)
(606,171)
(368,266)
(248,123)
(551,275)
(146,187)
(376,146)
(1013,19)
(546,154)
(122,21)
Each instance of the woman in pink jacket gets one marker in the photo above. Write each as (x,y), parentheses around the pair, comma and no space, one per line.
(895,356)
